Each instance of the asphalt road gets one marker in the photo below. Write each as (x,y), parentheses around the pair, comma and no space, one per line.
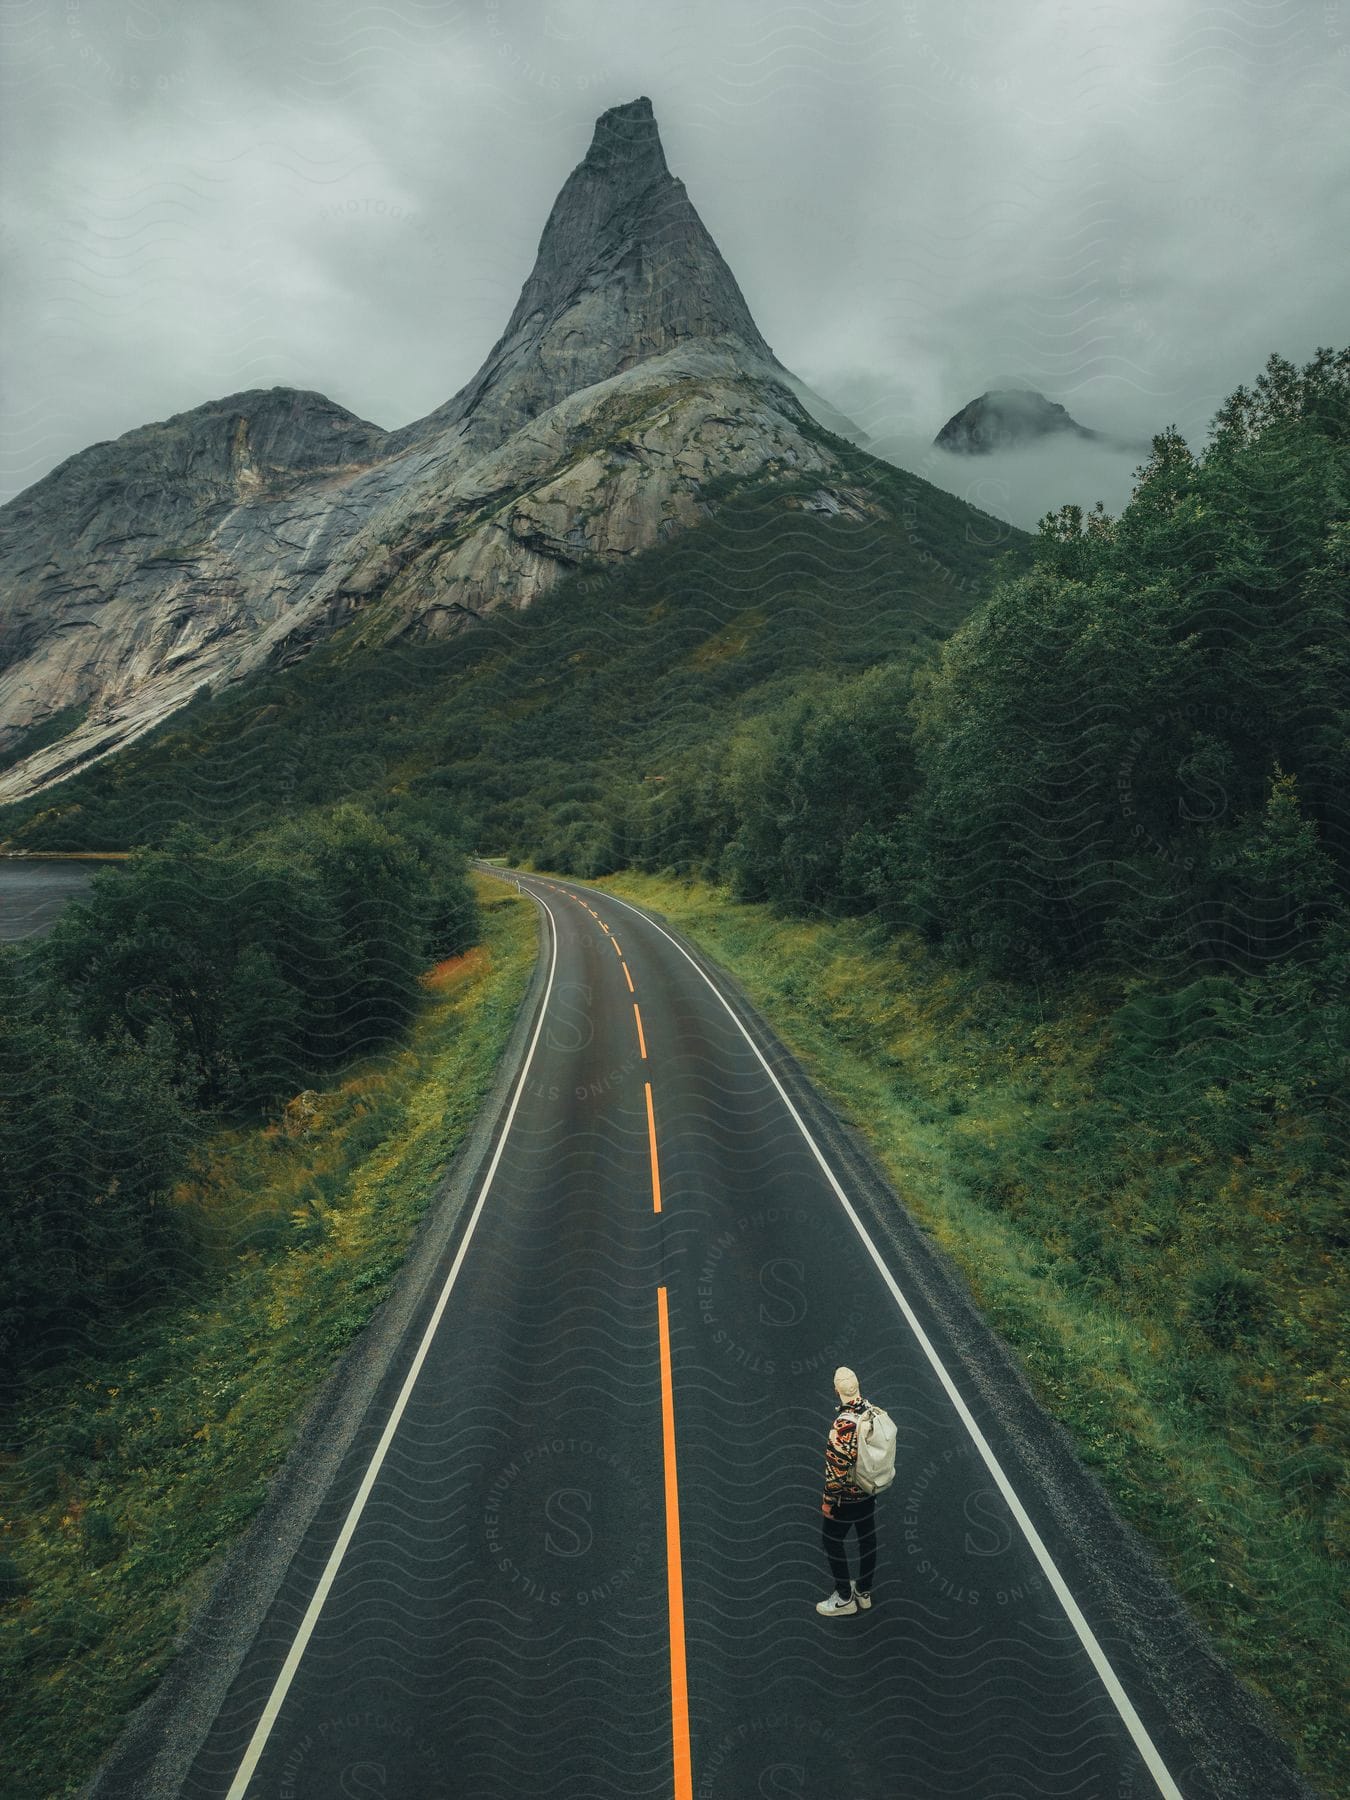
(573,1547)
(34,892)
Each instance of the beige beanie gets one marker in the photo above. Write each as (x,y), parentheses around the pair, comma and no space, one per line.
(846,1384)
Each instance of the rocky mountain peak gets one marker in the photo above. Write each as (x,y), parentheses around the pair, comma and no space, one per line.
(625,271)
(240,534)
(627,144)
(1006,419)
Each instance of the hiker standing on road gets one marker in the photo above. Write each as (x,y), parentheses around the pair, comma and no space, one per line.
(846,1505)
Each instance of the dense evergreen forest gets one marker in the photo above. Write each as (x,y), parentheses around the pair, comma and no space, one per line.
(1122,746)
(197,984)
(1084,798)
(299,850)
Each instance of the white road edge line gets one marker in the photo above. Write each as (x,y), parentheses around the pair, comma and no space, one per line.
(1110,1680)
(281,1687)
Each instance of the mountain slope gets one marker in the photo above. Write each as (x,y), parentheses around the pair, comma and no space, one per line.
(140,568)
(539,722)
(242,533)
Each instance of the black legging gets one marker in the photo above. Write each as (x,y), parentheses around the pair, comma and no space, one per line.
(835,1527)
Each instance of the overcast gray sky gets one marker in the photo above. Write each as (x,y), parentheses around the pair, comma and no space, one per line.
(1124,205)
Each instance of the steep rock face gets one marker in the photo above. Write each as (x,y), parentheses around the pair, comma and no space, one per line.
(604,474)
(625,271)
(249,529)
(138,565)
(1007,419)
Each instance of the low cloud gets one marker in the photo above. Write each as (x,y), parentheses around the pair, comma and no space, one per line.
(1023,485)
(1126,207)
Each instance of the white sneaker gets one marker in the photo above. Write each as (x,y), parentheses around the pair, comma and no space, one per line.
(864,1600)
(835,1608)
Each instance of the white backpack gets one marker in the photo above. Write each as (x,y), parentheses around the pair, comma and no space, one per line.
(874,1467)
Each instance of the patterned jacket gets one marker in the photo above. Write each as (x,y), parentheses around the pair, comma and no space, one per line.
(841,1451)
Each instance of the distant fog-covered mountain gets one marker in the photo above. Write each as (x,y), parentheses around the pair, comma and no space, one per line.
(1011,418)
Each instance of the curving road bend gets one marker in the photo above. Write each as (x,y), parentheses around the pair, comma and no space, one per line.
(574,1547)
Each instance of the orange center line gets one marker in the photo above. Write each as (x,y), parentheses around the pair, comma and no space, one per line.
(679,1681)
(615,943)
(627,977)
(651,1136)
(642,1042)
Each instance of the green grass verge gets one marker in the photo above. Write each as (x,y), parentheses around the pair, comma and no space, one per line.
(140,1468)
(978,1099)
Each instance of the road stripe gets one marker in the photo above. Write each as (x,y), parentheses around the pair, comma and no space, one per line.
(679,1682)
(1097,1656)
(628,978)
(642,1042)
(617,951)
(276,1699)
(651,1136)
